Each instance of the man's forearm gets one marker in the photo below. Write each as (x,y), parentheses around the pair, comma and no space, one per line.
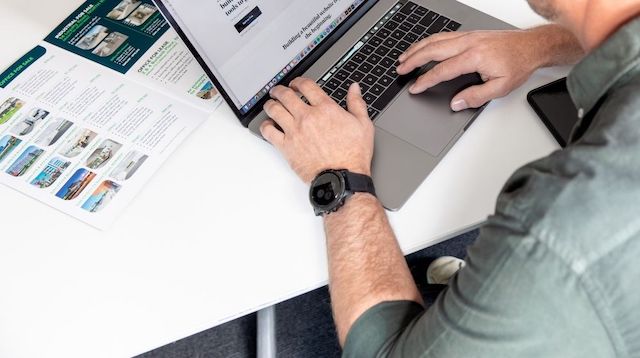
(555,46)
(366,265)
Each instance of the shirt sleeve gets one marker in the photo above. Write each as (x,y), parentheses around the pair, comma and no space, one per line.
(515,298)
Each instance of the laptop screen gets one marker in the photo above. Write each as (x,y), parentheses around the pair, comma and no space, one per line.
(250,45)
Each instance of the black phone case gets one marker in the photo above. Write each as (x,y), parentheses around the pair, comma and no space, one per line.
(531,98)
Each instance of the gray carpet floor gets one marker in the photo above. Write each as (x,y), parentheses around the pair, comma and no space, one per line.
(304,324)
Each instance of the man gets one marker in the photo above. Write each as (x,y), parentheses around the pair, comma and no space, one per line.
(554,272)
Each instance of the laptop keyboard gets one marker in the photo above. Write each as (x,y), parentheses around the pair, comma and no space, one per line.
(373,60)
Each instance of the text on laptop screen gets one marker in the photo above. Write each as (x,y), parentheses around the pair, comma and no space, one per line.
(250,45)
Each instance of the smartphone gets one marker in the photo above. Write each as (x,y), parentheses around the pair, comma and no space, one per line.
(554,106)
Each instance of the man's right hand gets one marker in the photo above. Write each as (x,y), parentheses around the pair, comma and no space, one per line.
(504,60)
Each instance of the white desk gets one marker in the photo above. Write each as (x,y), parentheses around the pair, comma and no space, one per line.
(201,246)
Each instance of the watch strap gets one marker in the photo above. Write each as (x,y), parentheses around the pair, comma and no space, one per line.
(358,183)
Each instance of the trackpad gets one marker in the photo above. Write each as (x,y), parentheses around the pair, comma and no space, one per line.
(426,120)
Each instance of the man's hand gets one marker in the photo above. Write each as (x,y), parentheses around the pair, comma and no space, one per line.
(320,135)
(504,60)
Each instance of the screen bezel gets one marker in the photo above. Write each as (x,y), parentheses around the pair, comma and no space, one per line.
(300,69)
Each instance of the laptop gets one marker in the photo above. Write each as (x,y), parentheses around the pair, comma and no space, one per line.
(249,46)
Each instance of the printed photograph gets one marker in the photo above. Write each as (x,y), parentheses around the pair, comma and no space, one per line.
(27,124)
(123,9)
(53,132)
(103,154)
(51,173)
(93,37)
(9,108)
(141,15)
(25,161)
(110,44)
(129,166)
(7,145)
(76,184)
(207,91)
(101,197)
(78,143)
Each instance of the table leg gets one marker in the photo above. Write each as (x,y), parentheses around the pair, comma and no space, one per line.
(266,343)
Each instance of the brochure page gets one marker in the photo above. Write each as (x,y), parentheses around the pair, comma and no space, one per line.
(77,136)
(132,38)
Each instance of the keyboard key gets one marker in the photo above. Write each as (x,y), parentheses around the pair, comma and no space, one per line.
(391,25)
(350,66)
(428,19)
(406,27)
(339,94)
(403,45)
(356,76)
(408,8)
(382,50)
(359,58)
(395,53)
(385,80)
(418,29)
(438,25)
(369,98)
(367,50)
(392,72)
(343,104)
(413,19)
(365,67)
(399,17)
(379,71)
(377,90)
(453,26)
(345,85)
(327,90)
(390,42)
(375,41)
(384,33)
(372,113)
(370,80)
(364,87)
(333,84)
(411,37)
(374,59)
(398,35)
(421,11)
(388,62)
(342,75)
(388,95)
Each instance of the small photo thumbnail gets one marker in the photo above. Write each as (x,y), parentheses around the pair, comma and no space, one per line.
(76,184)
(93,37)
(207,91)
(78,143)
(7,145)
(110,44)
(129,166)
(141,15)
(101,197)
(123,9)
(51,173)
(9,108)
(103,154)
(25,161)
(30,121)
(53,132)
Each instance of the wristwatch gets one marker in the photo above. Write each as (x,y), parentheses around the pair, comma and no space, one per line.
(331,188)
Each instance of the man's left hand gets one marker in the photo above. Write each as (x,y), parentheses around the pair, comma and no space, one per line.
(320,135)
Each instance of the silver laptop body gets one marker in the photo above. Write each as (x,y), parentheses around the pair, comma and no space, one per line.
(413,132)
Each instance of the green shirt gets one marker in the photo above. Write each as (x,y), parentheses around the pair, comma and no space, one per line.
(556,271)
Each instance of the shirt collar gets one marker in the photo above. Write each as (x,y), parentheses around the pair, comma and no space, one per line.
(599,71)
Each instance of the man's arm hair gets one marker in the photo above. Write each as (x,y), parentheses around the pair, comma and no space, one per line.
(366,265)
(557,46)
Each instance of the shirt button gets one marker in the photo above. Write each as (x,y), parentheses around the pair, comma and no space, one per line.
(581,113)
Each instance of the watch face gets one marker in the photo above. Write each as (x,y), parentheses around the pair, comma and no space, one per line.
(327,189)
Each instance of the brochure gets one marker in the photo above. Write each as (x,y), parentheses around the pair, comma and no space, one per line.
(90,114)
